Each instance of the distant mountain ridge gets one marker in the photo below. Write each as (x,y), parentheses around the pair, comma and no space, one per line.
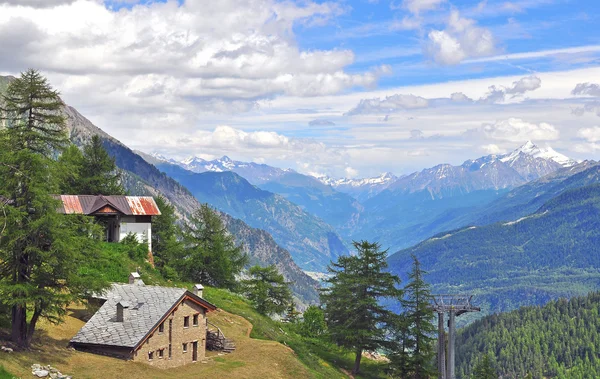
(531,259)
(312,242)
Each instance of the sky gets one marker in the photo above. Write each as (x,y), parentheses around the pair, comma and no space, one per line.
(346,88)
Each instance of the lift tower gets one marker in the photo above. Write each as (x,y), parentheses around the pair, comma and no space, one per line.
(454,305)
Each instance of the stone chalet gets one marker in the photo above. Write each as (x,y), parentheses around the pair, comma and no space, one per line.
(120,215)
(160,326)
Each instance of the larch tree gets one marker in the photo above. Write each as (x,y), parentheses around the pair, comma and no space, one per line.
(417,328)
(99,174)
(210,255)
(41,252)
(356,318)
(267,290)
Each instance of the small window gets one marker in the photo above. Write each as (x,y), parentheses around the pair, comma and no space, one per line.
(195,320)
(150,355)
(184,346)
(161,327)
(186,322)
(161,353)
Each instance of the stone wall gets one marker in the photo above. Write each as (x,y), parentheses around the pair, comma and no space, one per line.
(179,335)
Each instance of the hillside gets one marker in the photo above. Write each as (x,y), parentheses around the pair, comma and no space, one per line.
(550,253)
(558,340)
(264,348)
(311,241)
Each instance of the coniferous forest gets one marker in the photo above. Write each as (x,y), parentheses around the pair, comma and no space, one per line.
(558,340)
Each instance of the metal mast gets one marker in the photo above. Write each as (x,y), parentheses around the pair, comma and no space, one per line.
(454,305)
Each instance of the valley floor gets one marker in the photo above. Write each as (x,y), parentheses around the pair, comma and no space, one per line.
(253,358)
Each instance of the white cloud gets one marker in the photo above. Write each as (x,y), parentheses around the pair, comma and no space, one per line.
(418,6)
(590,134)
(498,94)
(462,39)
(389,104)
(589,89)
(36,3)
(492,149)
(220,55)
(350,172)
(518,130)
(417,134)
(460,97)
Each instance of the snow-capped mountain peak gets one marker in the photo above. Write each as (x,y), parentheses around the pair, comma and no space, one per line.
(384,178)
(532,150)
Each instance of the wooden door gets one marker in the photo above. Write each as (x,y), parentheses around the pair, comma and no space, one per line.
(194,351)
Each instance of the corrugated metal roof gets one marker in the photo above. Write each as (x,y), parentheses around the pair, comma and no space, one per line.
(142,205)
(90,204)
(71,204)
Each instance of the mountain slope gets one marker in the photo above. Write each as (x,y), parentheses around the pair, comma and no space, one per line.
(338,209)
(552,252)
(312,243)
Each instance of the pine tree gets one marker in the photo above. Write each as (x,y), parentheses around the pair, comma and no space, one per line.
(267,289)
(40,251)
(99,174)
(418,317)
(355,316)
(484,369)
(210,255)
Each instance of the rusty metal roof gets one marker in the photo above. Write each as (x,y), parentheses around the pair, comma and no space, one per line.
(127,205)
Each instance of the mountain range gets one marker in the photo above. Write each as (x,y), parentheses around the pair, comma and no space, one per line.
(396,211)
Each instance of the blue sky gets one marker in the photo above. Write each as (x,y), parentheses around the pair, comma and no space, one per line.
(344,88)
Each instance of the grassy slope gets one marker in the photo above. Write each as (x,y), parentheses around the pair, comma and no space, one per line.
(265,348)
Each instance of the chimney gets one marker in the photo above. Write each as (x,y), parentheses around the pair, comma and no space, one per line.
(123,311)
(135,278)
(198,289)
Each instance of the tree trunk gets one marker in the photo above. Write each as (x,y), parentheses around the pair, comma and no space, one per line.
(34,319)
(19,325)
(356,368)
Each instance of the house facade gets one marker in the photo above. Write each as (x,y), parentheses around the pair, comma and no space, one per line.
(120,215)
(159,326)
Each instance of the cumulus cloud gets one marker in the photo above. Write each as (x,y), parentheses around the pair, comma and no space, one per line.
(590,134)
(461,39)
(351,172)
(460,97)
(389,104)
(593,107)
(497,94)
(220,55)
(589,89)
(518,130)
(321,122)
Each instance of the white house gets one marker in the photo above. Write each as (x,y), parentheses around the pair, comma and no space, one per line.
(120,215)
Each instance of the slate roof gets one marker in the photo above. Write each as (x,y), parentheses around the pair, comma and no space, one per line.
(148,304)
(127,205)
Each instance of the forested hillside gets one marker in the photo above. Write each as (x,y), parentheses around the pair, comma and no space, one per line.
(531,260)
(558,340)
